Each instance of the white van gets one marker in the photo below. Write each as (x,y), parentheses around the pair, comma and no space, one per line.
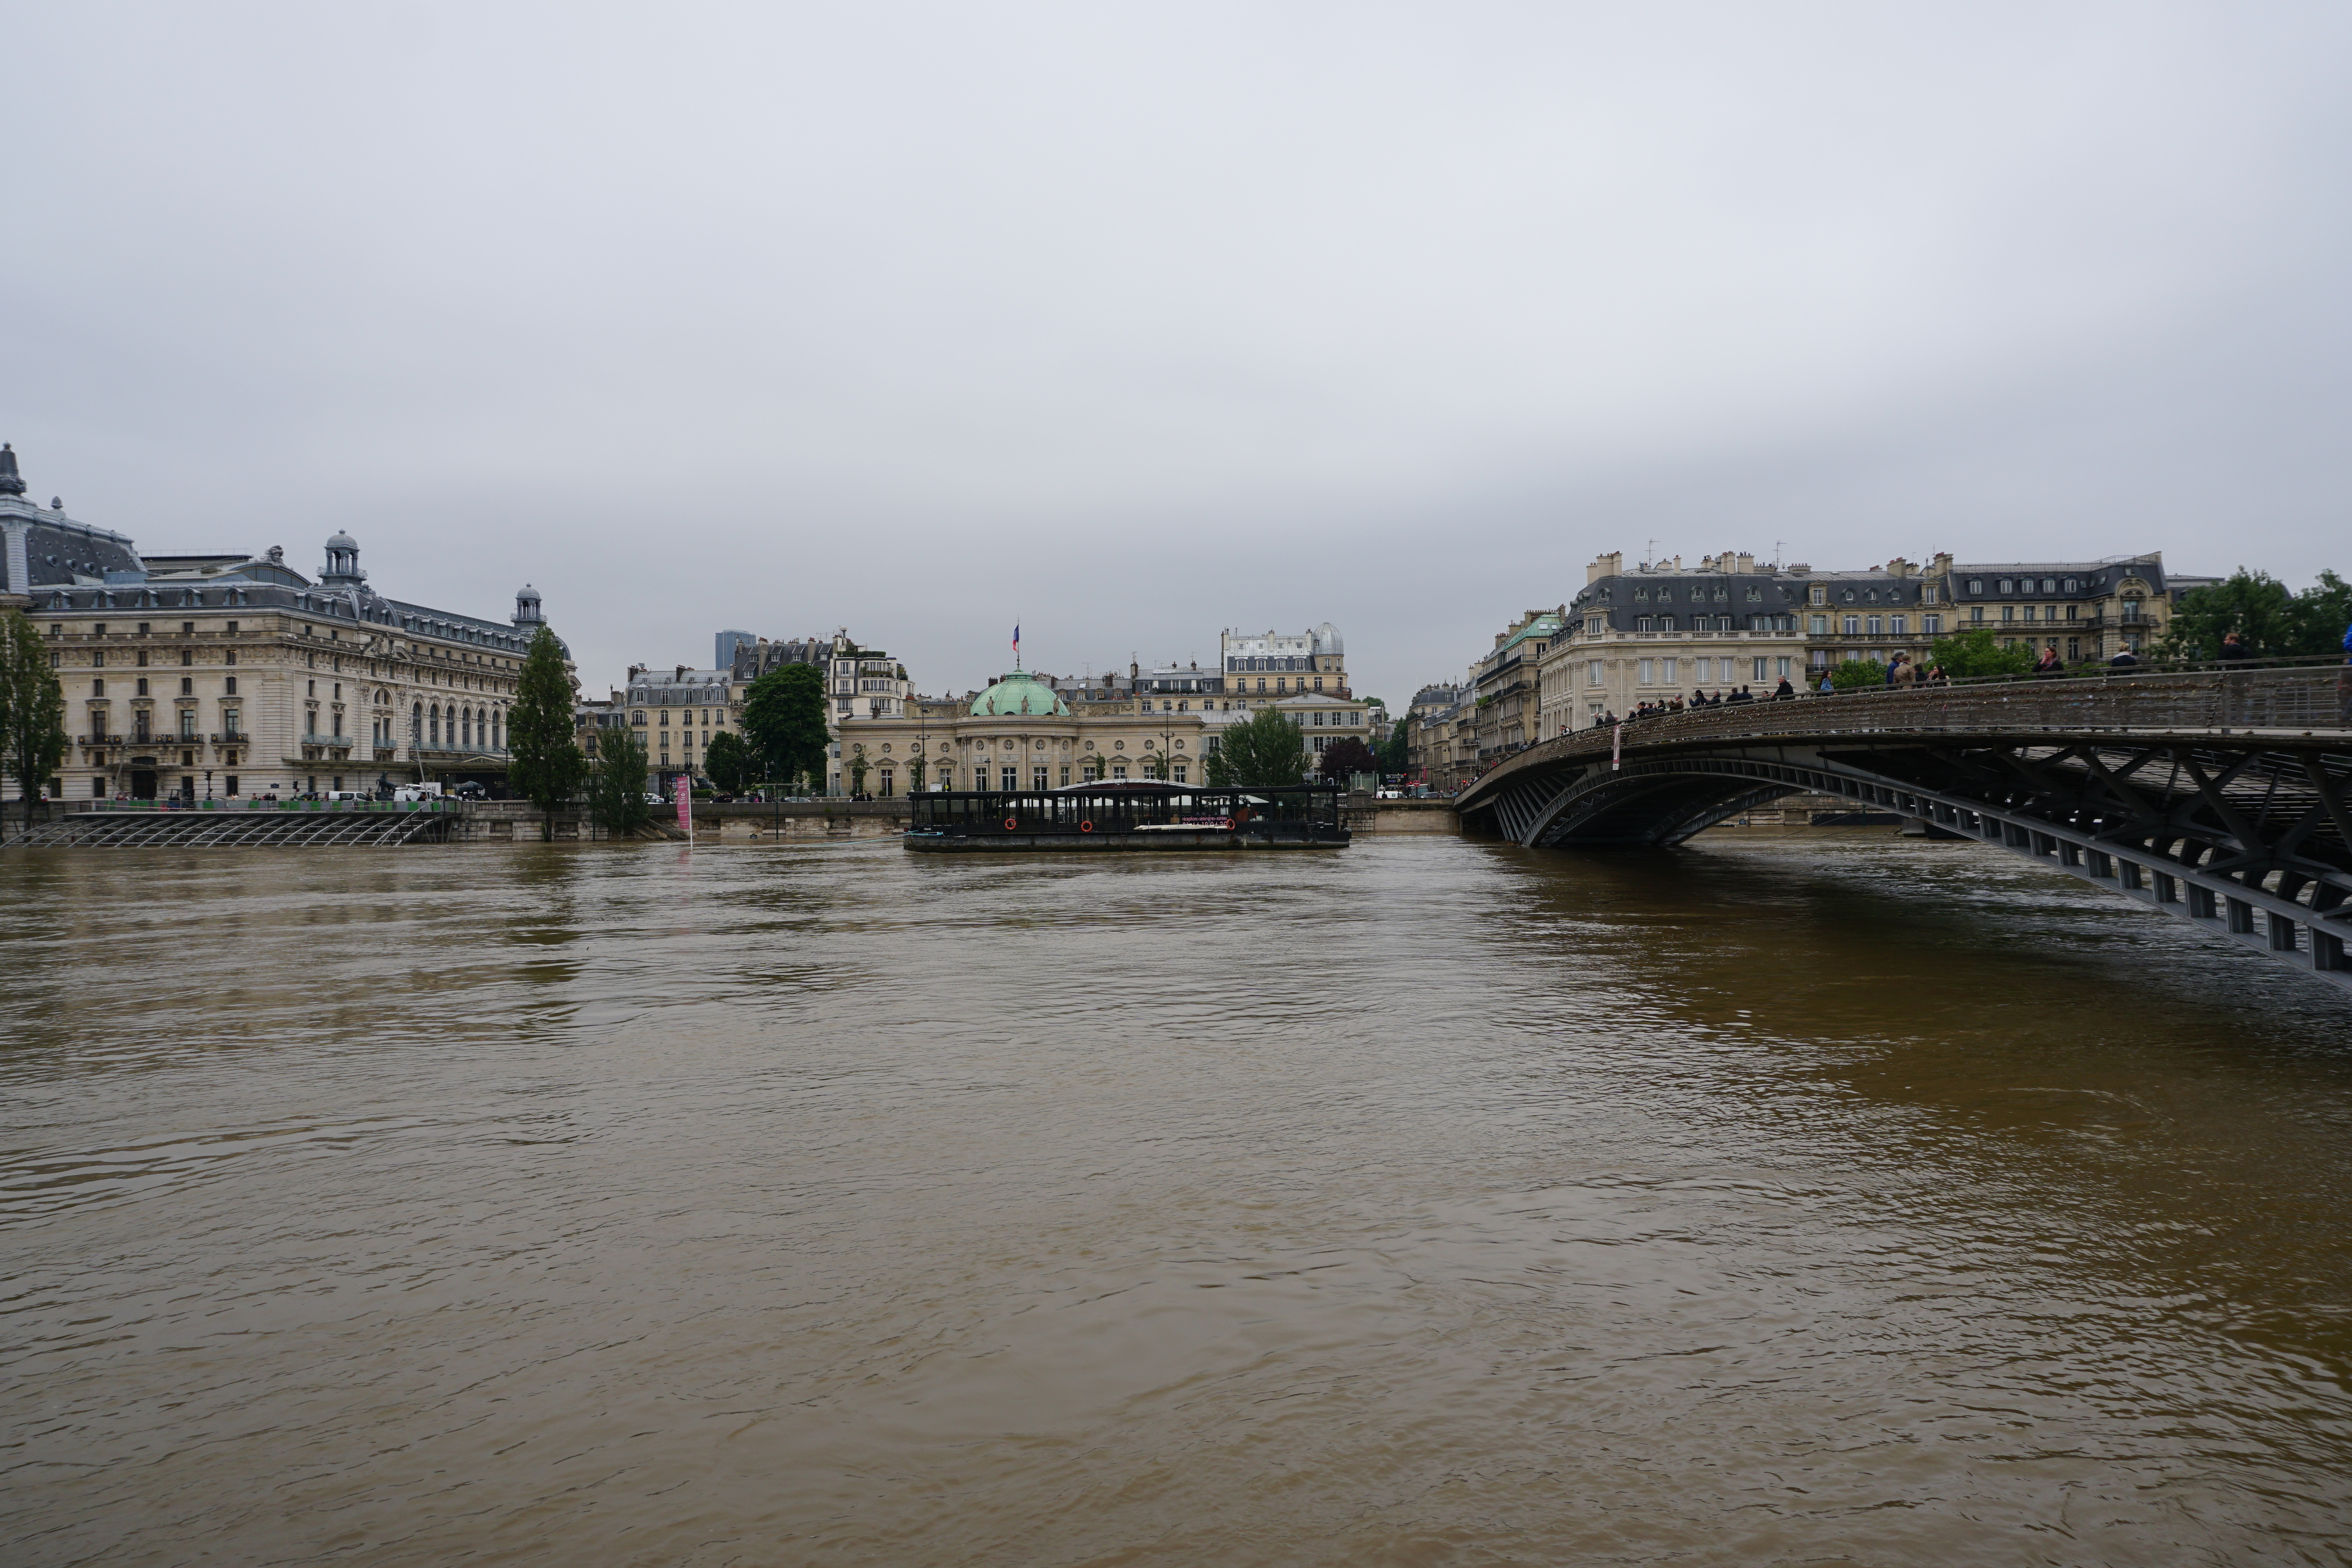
(416,792)
(346,795)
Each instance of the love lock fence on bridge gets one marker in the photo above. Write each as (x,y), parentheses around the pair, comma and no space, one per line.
(2222,798)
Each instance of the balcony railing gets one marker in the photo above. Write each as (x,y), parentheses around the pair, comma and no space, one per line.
(233,737)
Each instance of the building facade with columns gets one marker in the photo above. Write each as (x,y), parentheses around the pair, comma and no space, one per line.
(235,675)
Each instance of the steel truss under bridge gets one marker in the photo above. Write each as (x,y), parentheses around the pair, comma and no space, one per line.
(2225,800)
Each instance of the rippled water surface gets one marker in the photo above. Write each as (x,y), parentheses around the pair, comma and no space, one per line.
(1837,1199)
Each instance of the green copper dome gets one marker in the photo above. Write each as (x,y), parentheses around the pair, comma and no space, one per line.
(1018,692)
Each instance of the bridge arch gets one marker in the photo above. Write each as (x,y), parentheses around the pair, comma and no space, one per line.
(2225,801)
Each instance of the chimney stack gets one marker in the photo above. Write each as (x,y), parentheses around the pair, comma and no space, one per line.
(1746,564)
(1609,565)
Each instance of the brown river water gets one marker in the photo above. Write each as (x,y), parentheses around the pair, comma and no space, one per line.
(1797,1200)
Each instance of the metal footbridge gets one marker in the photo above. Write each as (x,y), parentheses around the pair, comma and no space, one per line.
(2224,800)
(369,824)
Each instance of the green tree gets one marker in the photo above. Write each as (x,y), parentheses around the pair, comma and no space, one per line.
(2256,605)
(548,768)
(857,770)
(1099,767)
(783,722)
(32,710)
(1268,750)
(2325,611)
(2271,622)
(1855,675)
(1392,749)
(916,771)
(728,762)
(616,790)
(1976,652)
(1342,759)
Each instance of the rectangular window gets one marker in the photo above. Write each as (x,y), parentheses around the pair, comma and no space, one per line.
(1931,625)
(1648,671)
(1643,624)
(1782,668)
(1665,622)
(2073,649)
(1593,673)
(1012,777)
(1667,670)
(1976,615)
(2028,612)
(1818,625)
(2009,612)
(1065,777)
(1118,770)
(1759,670)
(1899,626)
(1182,774)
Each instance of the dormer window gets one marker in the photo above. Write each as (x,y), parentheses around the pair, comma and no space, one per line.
(1847,596)
(1976,585)
(2007,586)
(1755,594)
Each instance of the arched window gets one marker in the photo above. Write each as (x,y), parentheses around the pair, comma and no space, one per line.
(433,723)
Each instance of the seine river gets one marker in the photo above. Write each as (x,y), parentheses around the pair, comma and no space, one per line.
(1821,1200)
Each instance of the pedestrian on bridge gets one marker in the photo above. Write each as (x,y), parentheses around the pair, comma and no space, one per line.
(1785,692)
(2049,667)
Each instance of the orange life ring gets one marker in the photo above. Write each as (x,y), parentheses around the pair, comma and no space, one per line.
(1011,823)
(1085,826)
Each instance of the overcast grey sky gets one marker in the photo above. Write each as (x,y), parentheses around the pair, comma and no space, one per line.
(1136,322)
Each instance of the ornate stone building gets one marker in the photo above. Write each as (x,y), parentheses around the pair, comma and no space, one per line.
(232,675)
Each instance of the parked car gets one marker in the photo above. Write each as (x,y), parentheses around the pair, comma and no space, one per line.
(346,795)
(470,790)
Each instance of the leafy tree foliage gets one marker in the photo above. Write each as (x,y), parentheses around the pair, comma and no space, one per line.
(616,790)
(548,766)
(2271,622)
(1268,750)
(32,710)
(918,771)
(857,768)
(1099,767)
(1392,749)
(1974,652)
(728,763)
(1342,757)
(783,722)
(1856,673)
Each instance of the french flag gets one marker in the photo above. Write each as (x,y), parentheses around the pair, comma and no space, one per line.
(1016,636)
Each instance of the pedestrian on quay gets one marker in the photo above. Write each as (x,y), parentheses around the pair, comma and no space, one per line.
(2232,649)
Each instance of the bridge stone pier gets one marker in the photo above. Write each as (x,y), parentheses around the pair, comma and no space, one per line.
(2223,799)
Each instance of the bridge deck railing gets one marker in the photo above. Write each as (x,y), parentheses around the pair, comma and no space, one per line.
(2296,699)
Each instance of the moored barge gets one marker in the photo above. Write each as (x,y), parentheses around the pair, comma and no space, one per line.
(1129,815)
